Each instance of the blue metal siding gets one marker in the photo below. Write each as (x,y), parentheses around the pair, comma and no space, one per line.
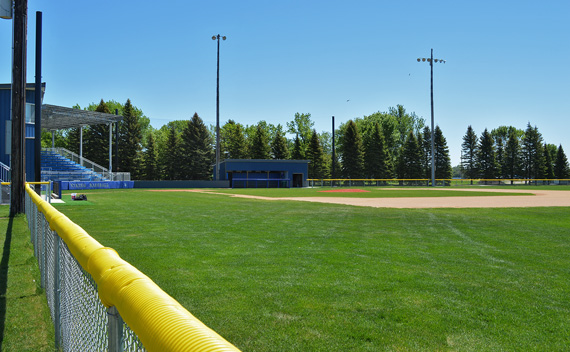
(264,169)
(5,97)
(5,103)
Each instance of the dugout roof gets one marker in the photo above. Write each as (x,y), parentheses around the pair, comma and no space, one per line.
(59,117)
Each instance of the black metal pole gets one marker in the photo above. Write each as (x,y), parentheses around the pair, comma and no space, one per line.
(38,103)
(18,154)
(432,128)
(218,113)
(117,143)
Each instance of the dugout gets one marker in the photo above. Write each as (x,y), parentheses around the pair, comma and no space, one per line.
(260,173)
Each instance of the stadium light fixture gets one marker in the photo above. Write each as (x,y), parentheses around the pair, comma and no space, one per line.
(217,178)
(431,61)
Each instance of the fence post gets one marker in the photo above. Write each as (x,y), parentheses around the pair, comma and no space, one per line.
(57,290)
(115,330)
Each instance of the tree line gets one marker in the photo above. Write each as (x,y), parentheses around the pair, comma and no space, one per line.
(510,153)
(383,145)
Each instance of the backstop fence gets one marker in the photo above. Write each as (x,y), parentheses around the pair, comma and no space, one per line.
(98,301)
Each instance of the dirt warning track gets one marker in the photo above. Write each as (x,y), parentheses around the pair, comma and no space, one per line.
(538,198)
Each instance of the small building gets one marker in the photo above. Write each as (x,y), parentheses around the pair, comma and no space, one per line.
(6,126)
(261,173)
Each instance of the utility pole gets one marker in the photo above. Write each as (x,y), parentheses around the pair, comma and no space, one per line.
(431,60)
(217,176)
(38,104)
(18,157)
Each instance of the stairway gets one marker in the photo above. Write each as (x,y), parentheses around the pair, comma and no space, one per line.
(56,167)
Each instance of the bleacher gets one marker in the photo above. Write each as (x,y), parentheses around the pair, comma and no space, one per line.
(56,167)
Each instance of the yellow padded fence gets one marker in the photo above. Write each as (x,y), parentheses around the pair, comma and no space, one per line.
(159,321)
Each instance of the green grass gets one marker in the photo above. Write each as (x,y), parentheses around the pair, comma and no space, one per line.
(371,192)
(296,276)
(25,324)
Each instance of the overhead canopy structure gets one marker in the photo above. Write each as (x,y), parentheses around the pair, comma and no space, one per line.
(59,117)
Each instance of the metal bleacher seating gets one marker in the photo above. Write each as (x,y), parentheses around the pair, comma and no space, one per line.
(56,167)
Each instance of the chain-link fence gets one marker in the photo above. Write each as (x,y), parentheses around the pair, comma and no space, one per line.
(81,321)
(87,285)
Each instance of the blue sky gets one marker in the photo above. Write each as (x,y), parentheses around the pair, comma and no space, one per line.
(507,61)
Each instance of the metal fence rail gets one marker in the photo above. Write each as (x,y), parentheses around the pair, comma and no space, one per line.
(87,285)
(80,320)
(347,182)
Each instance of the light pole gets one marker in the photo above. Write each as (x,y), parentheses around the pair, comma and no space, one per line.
(431,61)
(218,108)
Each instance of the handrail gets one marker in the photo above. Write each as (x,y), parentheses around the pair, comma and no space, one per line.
(5,172)
(63,152)
(160,322)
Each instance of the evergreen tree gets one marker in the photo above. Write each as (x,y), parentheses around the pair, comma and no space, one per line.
(298,153)
(486,162)
(317,165)
(151,170)
(260,148)
(352,152)
(130,138)
(172,155)
(425,145)
(469,154)
(548,164)
(197,151)
(410,160)
(378,161)
(533,155)
(443,168)
(279,147)
(561,168)
(511,159)
(72,140)
(96,140)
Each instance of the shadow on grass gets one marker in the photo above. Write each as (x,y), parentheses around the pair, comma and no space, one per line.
(4,278)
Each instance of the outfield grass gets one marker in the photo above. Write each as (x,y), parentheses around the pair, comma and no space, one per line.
(296,276)
(25,324)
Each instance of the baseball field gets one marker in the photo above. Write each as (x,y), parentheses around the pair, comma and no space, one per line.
(307,270)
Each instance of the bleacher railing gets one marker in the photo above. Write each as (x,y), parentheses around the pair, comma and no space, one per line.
(5,173)
(98,301)
(88,164)
(342,182)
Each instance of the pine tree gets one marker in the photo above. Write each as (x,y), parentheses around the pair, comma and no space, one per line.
(72,140)
(298,153)
(260,148)
(561,168)
(469,154)
(511,160)
(486,162)
(317,165)
(533,155)
(172,155)
(96,140)
(425,145)
(548,165)
(279,147)
(197,152)
(130,138)
(151,170)
(443,168)
(352,152)
(409,163)
(378,161)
